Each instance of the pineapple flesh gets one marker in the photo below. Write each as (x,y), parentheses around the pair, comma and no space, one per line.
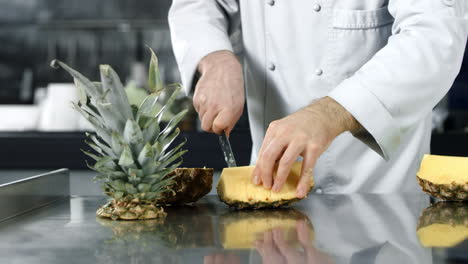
(235,188)
(240,229)
(135,157)
(444,224)
(444,177)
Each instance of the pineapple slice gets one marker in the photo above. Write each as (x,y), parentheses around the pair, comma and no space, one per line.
(444,177)
(236,189)
(240,229)
(444,224)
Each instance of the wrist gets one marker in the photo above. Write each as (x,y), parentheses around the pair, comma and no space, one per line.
(335,116)
(217,59)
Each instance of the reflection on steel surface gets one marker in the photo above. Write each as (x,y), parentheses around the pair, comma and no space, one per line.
(24,195)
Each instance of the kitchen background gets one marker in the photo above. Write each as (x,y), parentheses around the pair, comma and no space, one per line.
(40,132)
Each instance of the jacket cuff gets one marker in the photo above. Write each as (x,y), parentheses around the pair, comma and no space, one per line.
(202,42)
(382,133)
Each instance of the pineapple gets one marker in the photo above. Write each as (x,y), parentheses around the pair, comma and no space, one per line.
(240,229)
(444,224)
(444,177)
(235,188)
(135,158)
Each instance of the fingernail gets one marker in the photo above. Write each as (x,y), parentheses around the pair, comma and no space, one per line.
(255,179)
(300,193)
(276,188)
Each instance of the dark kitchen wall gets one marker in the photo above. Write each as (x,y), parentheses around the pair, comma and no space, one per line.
(87,32)
(82,33)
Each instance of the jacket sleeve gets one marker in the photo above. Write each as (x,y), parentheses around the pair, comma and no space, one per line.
(198,28)
(401,84)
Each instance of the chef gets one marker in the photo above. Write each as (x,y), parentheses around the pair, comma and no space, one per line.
(346,85)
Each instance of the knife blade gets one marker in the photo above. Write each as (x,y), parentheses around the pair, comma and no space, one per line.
(227,150)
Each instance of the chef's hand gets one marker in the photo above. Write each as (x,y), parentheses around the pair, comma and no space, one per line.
(219,93)
(221,258)
(274,248)
(307,133)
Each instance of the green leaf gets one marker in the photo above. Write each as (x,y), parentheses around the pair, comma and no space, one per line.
(130,188)
(167,106)
(105,162)
(151,195)
(91,155)
(126,158)
(111,82)
(118,195)
(85,83)
(172,159)
(150,106)
(172,124)
(146,155)
(117,143)
(117,185)
(166,143)
(132,132)
(143,187)
(151,131)
(154,78)
(102,145)
(172,151)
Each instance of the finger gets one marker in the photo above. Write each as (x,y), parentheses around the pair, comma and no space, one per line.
(199,99)
(310,157)
(283,246)
(303,233)
(208,259)
(222,122)
(266,140)
(290,155)
(207,121)
(268,159)
(219,258)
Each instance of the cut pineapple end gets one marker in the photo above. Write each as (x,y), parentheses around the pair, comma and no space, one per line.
(243,234)
(444,169)
(442,235)
(236,185)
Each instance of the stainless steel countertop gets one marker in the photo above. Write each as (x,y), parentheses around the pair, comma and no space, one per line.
(346,229)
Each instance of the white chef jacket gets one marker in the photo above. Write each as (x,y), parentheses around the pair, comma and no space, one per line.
(388,62)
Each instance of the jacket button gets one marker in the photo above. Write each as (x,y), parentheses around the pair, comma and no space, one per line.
(316,7)
(271,66)
(271,2)
(318,72)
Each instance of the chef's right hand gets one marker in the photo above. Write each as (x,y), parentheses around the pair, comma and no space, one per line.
(219,94)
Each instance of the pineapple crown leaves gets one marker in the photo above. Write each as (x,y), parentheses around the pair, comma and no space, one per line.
(134,155)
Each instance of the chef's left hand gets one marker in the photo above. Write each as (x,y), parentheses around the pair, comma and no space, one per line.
(307,133)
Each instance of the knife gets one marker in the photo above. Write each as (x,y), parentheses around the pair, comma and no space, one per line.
(227,150)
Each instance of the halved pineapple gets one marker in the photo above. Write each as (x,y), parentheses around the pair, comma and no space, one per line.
(444,177)
(235,188)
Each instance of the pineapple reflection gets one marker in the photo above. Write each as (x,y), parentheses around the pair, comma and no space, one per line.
(278,236)
(157,240)
(444,224)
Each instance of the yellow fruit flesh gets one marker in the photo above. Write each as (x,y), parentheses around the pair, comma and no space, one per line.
(444,169)
(236,184)
(243,234)
(442,235)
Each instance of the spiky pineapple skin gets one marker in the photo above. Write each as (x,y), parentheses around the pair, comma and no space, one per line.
(451,213)
(191,185)
(447,192)
(130,210)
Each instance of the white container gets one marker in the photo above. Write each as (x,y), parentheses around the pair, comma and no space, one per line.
(57,113)
(19,117)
